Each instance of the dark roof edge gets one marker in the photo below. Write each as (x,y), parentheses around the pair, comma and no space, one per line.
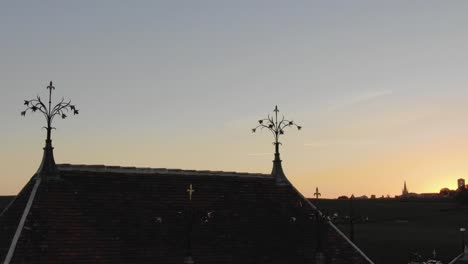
(455,260)
(334,227)
(136,170)
(15,199)
(11,250)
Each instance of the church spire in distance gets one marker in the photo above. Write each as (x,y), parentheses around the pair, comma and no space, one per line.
(405,190)
(48,168)
(277,128)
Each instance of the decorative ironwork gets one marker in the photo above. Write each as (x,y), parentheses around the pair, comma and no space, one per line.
(277,128)
(49,113)
(317,194)
(61,109)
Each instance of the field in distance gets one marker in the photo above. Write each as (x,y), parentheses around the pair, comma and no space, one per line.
(390,230)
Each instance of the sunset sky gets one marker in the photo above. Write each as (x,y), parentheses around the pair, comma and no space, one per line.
(380,88)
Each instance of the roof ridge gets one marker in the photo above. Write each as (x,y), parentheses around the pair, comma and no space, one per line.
(148,170)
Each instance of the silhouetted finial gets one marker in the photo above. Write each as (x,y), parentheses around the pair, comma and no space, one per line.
(277,128)
(317,194)
(50,87)
(48,167)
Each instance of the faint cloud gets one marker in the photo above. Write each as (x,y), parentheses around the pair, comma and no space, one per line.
(360,98)
(333,143)
(245,123)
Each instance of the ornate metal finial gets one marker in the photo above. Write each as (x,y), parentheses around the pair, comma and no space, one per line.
(277,128)
(317,194)
(48,167)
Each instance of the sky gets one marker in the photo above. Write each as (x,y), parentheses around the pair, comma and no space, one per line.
(379,87)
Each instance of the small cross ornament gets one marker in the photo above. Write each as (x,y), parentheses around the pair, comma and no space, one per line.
(190,191)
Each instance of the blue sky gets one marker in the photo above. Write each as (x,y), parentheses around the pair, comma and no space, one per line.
(379,87)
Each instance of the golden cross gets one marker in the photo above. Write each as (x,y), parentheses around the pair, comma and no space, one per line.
(190,191)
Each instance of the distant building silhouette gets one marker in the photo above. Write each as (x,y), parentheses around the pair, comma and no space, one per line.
(405,190)
(405,194)
(461,183)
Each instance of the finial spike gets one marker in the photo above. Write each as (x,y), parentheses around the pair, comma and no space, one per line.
(51,86)
(317,194)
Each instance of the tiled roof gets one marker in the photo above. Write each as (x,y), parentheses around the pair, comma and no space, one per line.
(99,214)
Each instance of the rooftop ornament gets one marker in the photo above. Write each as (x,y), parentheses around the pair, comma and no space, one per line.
(317,194)
(277,128)
(48,167)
